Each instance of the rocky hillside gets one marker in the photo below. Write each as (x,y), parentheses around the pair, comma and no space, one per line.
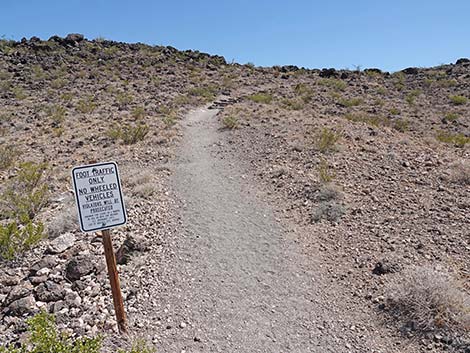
(370,168)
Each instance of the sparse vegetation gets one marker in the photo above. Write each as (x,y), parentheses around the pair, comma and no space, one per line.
(326,140)
(230,122)
(8,155)
(411,96)
(123,99)
(264,98)
(334,83)
(27,193)
(86,105)
(458,140)
(351,102)
(292,104)
(458,100)
(427,300)
(57,113)
(16,239)
(129,134)
(331,211)
(325,173)
(206,93)
(460,172)
(451,116)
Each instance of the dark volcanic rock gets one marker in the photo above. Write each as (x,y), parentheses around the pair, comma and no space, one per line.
(49,292)
(410,71)
(385,266)
(74,38)
(78,267)
(462,61)
(327,73)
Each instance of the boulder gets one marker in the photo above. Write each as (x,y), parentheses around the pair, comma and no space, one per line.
(78,267)
(18,292)
(327,73)
(61,243)
(23,306)
(410,71)
(74,38)
(49,292)
(462,61)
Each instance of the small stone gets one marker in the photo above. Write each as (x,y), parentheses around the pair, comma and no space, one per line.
(183,325)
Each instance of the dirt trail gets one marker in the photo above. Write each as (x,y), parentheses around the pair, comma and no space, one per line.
(246,288)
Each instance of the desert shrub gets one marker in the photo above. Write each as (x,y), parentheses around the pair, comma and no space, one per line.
(19,93)
(129,134)
(58,83)
(57,113)
(86,105)
(398,80)
(324,172)
(460,172)
(123,99)
(428,300)
(230,122)
(138,113)
(325,140)
(302,89)
(351,102)
(401,125)
(394,111)
(334,83)
(263,98)
(331,211)
(292,104)
(458,140)
(382,91)
(451,116)
(182,99)
(45,338)
(26,193)
(139,346)
(206,93)
(411,96)
(458,100)
(16,239)
(8,155)
(144,190)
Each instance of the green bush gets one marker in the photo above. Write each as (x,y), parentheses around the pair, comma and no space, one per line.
(292,104)
(352,102)
(324,172)
(26,193)
(458,140)
(8,155)
(326,139)
(458,100)
(123,99)
(45,338)
(263,98)
(129,134)
(411,97)
(230,122)
(15,240)
(334,83)
(86,105)
(206,93)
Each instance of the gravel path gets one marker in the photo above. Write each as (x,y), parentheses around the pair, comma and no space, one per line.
(242,284)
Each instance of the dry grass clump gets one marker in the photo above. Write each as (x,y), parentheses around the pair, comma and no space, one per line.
(428,300)
(141,185)
(460,172)
(325,140)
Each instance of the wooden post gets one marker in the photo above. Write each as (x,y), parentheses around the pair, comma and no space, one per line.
(114,280)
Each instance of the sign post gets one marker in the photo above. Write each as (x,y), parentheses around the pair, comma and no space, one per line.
(100,207)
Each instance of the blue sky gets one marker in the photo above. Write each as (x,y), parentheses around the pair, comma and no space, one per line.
(390,35)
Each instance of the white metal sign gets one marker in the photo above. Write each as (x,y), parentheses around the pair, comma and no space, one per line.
(99,197)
